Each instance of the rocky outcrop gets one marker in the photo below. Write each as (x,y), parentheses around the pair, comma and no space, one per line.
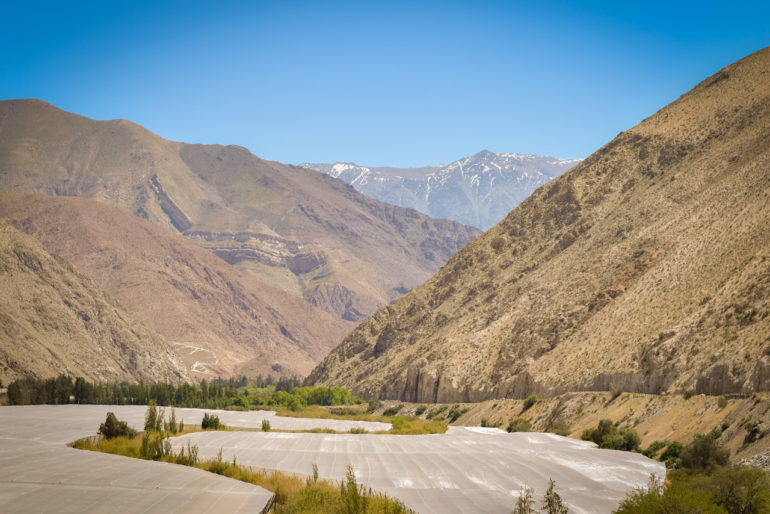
(175,213)
(341,301)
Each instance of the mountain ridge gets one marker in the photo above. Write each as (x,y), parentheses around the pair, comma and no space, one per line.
(478,190)
(645,268)
(302,231)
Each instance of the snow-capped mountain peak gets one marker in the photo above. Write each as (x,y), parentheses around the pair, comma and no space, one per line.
(479,190)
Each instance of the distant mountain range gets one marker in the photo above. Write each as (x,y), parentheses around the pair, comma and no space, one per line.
(479,190)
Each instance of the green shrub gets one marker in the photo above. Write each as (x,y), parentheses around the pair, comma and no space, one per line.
(172,426)
(393,410)
(265,425)
(689,394)
(438,410)
(456,412)
(151,416)
(725,425)
(352,500)
(731,489)
(623,439)
(357,430)
(653,449)
(597,434)
(211,422)
(486,423)
(519,425)
(525,503)
(325,396)
(672,452)
(373,406)
(616,390)
(530,401)
(291,401)
(703,453)
(112,428)
(677,497)
(561,427)
(610,437)
(552,501)
(420,409)
(722,402)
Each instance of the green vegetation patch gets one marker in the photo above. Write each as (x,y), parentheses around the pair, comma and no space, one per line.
(610,437)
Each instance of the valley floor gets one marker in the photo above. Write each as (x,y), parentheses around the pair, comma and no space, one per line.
(464,470)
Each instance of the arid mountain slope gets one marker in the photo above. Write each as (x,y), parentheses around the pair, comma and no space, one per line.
(479,190)
(218,320)
(54,320)
(302,231)
(646,267)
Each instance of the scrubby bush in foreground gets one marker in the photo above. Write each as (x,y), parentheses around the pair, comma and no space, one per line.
(726,490)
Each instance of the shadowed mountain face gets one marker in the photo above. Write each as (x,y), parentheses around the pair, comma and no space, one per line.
(298,230)
(219,321)
(647,267)
(53,320)
(479,190)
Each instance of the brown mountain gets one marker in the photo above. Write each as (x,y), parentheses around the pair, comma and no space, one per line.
(645,267)
(54,320)
(300,230)
(219,321)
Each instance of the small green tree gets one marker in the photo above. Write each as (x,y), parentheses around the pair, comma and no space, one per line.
(172,425)
(265,425)
(112,428)
(530,401)
(552,501)
(353,502)
(525,504)
(704,453)
(151,416)
(160,420)
(146,451)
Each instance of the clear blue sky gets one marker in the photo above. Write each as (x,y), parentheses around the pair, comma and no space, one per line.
(377,83)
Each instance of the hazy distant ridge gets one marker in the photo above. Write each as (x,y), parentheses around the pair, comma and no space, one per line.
(479,190)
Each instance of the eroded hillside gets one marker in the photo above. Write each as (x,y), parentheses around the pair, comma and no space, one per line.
(296,229)
(53,320)
(646,266)
(219,321)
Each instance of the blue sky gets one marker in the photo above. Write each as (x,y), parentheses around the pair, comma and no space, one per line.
(376,83)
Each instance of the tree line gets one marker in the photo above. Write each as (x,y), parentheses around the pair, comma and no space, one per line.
(217,394)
